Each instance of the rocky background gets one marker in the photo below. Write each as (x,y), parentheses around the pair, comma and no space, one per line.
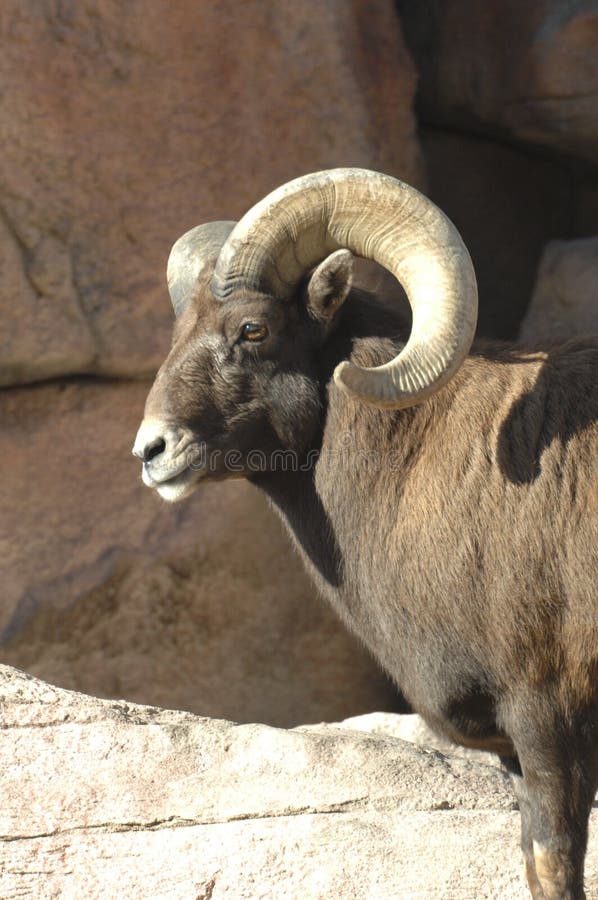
(123,125)
(125,801)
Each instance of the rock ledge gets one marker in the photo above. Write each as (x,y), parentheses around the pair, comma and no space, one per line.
(111,799)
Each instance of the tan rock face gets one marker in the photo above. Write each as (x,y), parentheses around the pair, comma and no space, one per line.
(125,125)
(565,299)
(202,606)
(186,807)
(527,69)
(128,801)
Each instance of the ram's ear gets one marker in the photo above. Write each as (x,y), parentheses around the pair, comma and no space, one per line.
(330,284)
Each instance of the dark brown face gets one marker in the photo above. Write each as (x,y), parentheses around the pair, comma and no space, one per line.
(239,385)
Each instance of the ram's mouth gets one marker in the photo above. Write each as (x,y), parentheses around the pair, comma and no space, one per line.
(177,486)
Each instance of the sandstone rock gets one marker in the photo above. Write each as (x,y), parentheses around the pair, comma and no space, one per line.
(43,329)
(202,606)
(125,125)
(527,70)
(565,299)
(127,801)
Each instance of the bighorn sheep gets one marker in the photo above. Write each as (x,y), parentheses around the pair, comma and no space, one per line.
(445,504)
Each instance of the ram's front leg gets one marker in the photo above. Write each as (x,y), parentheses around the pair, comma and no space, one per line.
(555,789)
(512,766)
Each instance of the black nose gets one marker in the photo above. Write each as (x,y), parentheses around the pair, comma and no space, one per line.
(153,449)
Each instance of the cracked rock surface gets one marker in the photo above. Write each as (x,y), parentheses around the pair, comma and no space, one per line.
(110,799)
(125,125)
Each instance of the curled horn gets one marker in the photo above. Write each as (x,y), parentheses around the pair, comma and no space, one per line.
(190,255)
(380,218)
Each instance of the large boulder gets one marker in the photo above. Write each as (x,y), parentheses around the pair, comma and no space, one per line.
(123,125)
(525,70)
(565,299)
(202,606)
(128,801)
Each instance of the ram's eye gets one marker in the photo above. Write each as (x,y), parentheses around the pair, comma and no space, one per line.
(253,332)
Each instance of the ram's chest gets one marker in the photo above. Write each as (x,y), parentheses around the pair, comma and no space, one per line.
(414,610)
(434,669)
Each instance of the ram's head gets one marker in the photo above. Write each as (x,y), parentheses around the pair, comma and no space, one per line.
(257,302)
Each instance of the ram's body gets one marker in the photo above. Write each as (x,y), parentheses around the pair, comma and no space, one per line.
(459,539)
(457,535)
